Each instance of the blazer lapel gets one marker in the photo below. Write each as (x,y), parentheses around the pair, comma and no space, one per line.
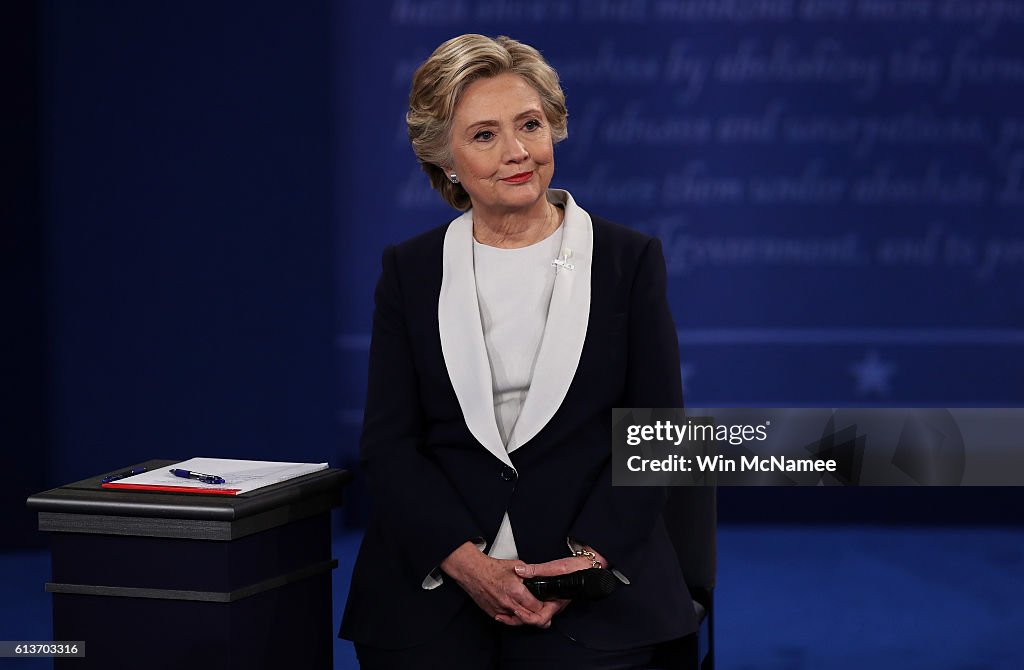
(462,337)
(566,329)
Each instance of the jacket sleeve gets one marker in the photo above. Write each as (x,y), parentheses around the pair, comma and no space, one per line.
(420,510)
(615,520)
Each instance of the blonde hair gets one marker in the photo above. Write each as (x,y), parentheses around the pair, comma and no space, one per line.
(439,82)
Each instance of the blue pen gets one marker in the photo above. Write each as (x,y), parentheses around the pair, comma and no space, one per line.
(192,474)
(122,475)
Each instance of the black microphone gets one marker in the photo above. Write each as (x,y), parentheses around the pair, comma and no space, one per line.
(589,584)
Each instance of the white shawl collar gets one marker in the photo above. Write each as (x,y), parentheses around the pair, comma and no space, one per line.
(462,337)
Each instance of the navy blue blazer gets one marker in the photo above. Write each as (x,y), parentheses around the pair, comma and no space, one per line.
(437,480)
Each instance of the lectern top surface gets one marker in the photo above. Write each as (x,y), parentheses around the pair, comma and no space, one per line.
(88,497)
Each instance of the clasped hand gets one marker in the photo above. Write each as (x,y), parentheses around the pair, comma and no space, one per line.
(496,585)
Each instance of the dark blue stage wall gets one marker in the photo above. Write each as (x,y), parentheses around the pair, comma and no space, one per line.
(187,197)
(839,187)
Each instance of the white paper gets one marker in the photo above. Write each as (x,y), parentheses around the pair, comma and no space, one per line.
(242,475)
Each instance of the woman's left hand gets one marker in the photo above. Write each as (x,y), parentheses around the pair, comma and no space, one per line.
(561,566)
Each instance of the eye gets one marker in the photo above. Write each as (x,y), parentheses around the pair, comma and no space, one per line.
(532,124)
(484,136)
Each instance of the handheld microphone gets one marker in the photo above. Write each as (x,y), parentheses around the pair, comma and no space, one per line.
(589,584)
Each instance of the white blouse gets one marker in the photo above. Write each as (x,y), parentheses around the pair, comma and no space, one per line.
(513,288)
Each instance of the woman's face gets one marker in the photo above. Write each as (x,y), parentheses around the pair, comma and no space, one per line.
(501,145)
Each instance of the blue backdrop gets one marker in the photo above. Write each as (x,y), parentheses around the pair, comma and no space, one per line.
(839,186)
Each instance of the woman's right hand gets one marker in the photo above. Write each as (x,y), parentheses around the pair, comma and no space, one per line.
(496,588)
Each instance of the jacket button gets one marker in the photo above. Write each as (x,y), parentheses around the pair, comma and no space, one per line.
(507,474)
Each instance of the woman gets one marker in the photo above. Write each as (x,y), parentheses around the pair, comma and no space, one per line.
(501,342)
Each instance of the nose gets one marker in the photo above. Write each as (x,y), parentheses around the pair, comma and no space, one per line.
(515,150)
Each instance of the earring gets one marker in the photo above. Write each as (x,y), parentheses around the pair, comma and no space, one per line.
(453,178)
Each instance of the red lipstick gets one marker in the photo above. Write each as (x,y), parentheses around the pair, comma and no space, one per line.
(518,178)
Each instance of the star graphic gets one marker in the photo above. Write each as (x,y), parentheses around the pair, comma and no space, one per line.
(872,374)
